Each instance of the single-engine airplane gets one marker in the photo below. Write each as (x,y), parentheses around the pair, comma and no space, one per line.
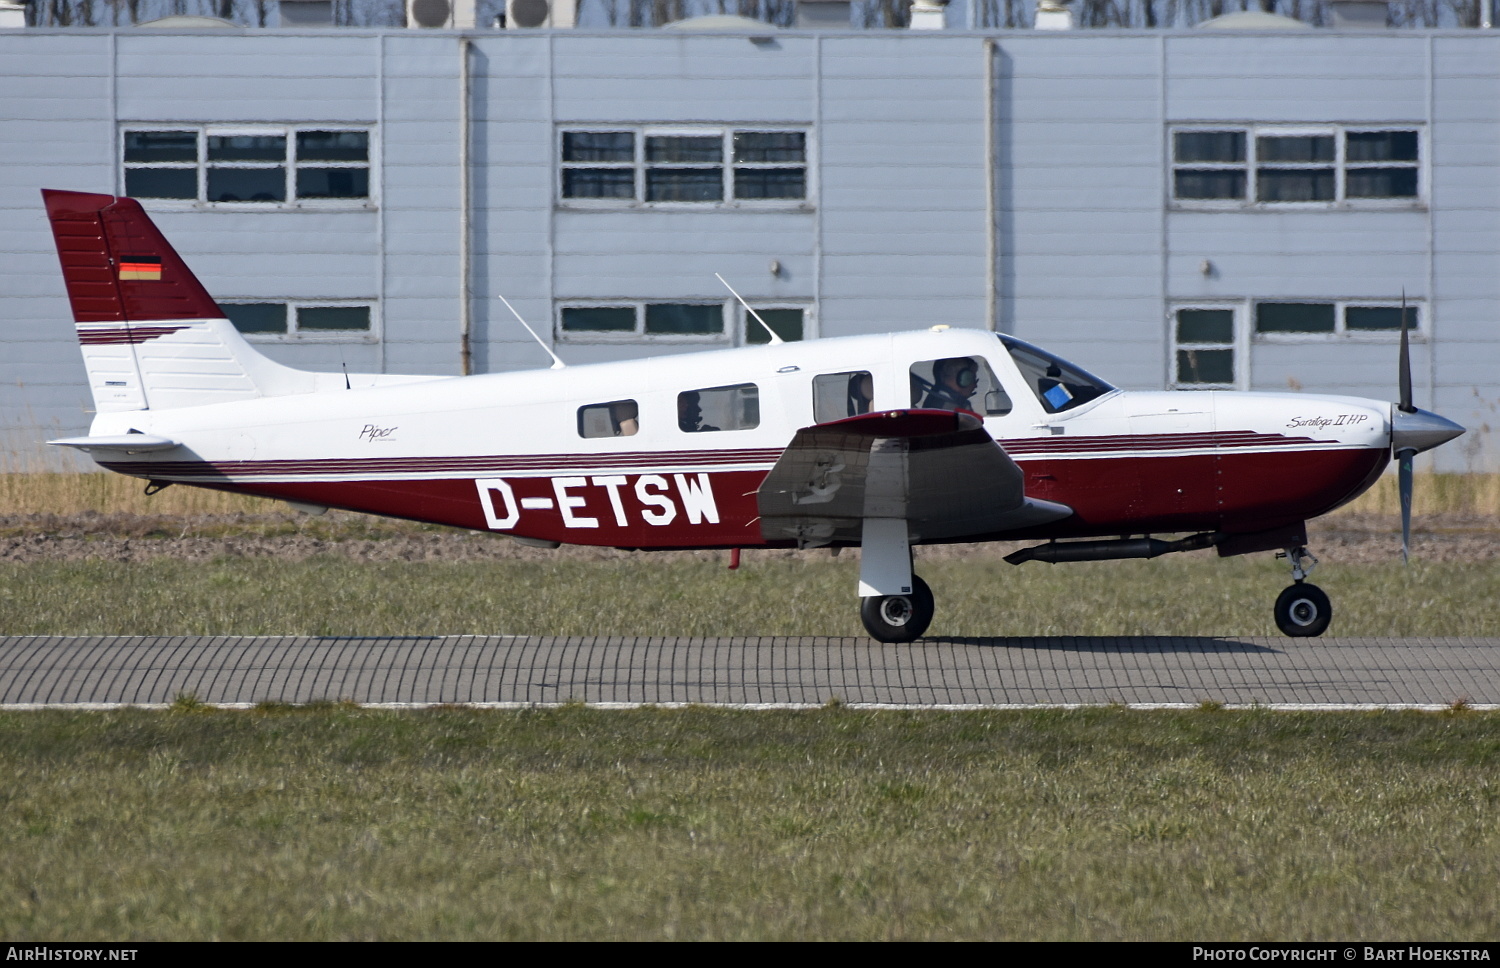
(938,436)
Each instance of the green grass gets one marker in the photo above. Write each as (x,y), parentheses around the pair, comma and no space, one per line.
(571,823)
(768,596)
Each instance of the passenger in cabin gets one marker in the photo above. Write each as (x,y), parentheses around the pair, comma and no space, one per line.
(953,383)
(690,414)
(861,393)
(625,415)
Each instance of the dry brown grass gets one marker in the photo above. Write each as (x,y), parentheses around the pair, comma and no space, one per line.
(1433,494)
(56,493)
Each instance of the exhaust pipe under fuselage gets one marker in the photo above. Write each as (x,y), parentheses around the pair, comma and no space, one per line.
(1055,552)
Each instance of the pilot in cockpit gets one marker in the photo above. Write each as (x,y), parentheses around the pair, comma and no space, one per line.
(953,383)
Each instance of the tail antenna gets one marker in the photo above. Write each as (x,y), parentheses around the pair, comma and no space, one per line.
(557,364)
(775,340)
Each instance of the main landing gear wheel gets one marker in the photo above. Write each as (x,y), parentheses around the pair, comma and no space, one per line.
(898,618)
(1303,610)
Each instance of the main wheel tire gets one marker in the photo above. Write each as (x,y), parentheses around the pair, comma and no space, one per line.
(898,618)
(1303,610)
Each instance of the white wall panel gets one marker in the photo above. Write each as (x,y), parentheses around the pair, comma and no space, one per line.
(892,236)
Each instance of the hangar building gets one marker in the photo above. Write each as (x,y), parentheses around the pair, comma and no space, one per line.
(1194,208)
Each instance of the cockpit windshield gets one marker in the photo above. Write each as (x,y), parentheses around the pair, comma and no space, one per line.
(1058,384)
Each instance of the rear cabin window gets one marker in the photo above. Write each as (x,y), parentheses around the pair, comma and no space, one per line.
(958,383)
(840,395)
(618,418)
(719,408)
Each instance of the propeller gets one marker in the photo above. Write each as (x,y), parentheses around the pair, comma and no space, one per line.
(1404,455)
(1412,431)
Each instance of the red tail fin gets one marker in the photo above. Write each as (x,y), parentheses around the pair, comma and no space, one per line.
(117,266)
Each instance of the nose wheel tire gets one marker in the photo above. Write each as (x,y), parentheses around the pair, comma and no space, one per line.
(898,618)
(1303,610)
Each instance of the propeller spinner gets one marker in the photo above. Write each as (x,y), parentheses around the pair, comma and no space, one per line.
(1412,431)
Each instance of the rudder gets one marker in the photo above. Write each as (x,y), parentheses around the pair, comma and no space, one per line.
(152,337)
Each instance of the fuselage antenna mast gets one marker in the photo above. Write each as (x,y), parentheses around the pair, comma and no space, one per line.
(775,340)
(557,363)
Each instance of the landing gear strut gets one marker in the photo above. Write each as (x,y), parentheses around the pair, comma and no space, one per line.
(1302,609)
(895,605)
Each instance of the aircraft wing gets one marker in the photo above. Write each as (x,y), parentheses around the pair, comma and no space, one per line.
(938,470)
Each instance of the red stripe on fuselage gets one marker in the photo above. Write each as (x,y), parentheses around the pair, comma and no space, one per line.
(539,464)
(1025,449)
(598,500)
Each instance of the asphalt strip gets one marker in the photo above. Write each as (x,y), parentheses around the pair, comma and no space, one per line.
(1280,707)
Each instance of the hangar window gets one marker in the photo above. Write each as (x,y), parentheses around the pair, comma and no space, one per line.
(1277,319)
(284,166)
(788,322)
(1277,165)
(677,322)
(1212,341)
(697,166)
(1206,347)
(303,321)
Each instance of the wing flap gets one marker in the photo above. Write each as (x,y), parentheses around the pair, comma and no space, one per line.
(939,471)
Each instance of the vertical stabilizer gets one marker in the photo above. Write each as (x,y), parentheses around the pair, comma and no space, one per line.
(152,336)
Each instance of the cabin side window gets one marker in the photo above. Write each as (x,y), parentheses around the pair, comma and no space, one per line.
(840,395)
(958,383)
(719,408)
(618,418)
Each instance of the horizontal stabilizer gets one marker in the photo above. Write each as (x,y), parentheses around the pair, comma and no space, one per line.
(119,443)
(939,471)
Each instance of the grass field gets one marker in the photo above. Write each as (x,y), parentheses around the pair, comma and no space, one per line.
(336,823)
(768,596)
(339,823)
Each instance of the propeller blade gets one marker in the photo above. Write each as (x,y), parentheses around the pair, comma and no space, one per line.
(1404,376)
(1404,459)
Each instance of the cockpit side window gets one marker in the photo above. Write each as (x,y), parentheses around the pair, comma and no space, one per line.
(958,383)
(1058,384)
(619,418)
(719,408)
(840,395)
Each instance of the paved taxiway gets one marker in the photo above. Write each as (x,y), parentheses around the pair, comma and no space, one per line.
(73,670)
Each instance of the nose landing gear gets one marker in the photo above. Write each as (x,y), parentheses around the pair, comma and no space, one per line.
(1302,609)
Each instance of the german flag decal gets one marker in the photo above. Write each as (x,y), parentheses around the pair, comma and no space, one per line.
(145,268)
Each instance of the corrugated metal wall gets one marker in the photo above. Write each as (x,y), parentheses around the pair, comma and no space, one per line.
(1091,254)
